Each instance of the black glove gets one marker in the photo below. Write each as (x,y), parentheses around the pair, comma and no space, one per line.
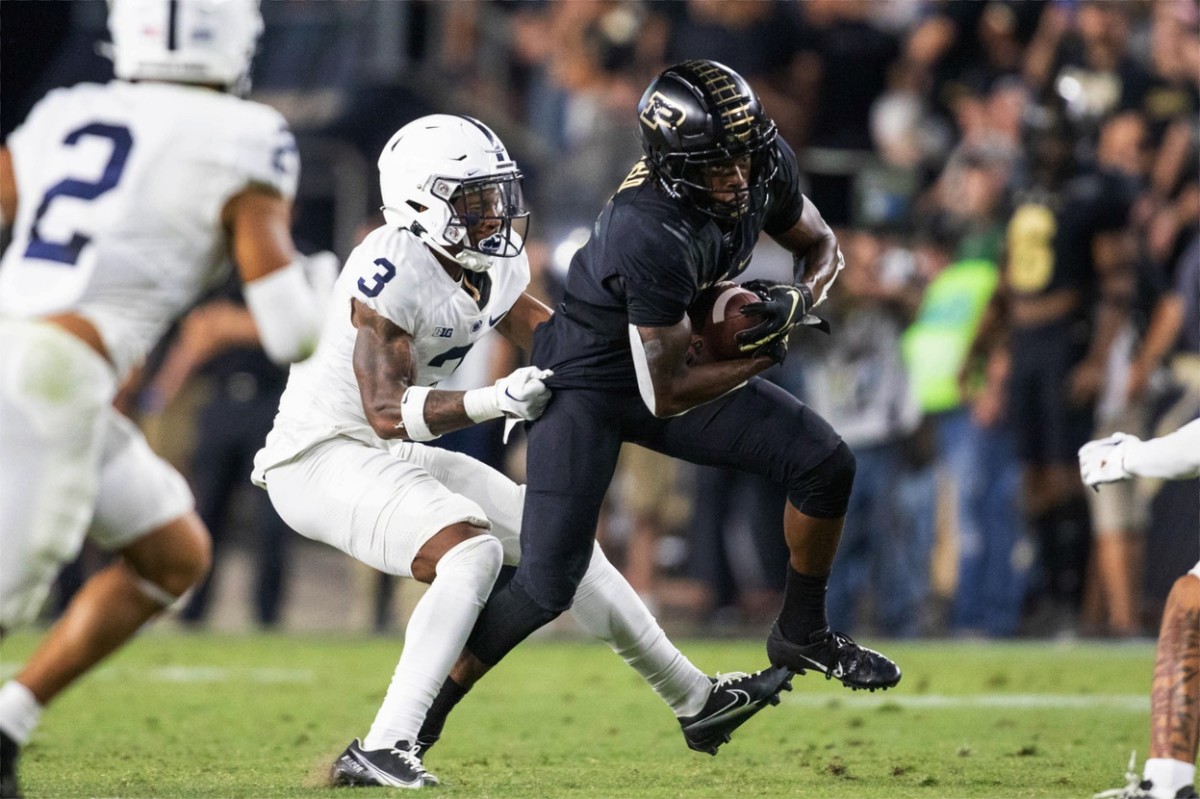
(776,350)
(782,307)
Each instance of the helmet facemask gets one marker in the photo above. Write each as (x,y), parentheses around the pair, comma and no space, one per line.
(487,216)
(725,183)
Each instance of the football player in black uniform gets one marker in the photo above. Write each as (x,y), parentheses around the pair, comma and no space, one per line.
(714,176)
(1066,291)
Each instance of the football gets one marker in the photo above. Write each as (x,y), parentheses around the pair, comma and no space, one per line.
(716,318)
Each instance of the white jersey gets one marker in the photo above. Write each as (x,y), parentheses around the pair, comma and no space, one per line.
(398,277)
(121,189)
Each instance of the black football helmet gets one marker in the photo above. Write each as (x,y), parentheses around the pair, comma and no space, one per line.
(698,117)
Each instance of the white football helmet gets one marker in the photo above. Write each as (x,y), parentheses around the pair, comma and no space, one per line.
(450,180)
(185,41)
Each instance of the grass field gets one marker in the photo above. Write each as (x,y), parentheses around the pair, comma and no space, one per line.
(203,715)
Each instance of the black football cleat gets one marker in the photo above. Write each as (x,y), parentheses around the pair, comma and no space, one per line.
(9,750)
(398,767)
(734,699)
(836,656)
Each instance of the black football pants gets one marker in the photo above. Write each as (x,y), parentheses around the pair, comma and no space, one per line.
(572,453)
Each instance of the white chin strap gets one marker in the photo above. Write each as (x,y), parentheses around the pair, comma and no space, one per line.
(468,259)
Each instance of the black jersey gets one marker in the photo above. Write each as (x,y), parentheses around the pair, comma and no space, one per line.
(1050,240)
(648,257)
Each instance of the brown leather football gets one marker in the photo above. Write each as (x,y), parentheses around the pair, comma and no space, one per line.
(717,317)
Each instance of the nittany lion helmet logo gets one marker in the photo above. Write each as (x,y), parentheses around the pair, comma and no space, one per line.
(659,112)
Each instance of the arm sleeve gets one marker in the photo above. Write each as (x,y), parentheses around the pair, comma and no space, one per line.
(1175,456)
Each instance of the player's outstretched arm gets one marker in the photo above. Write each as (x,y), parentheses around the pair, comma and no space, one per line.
(668,385)
(1120,456)
(396,407)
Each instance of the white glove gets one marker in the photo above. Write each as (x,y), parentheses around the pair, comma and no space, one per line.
(1103,460)
(520,395)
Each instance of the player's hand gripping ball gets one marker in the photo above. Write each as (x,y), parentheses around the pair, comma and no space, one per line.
(717,318)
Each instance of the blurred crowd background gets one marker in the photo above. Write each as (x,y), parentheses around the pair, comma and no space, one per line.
(922,127)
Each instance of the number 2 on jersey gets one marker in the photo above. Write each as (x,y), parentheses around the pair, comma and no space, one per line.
(68,253)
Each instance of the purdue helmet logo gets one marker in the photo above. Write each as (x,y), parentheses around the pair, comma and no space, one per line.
(660,113)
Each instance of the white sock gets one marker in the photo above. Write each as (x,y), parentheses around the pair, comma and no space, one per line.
(607,607)
(436,634)
(19,712)
(1168,776)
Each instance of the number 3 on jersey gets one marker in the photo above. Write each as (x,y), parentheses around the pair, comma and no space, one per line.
(379,279)
(68,252)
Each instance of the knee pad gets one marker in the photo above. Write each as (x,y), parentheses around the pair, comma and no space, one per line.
(823,492)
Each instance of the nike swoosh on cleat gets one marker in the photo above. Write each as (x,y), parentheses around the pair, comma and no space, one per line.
(387,779)
(816,666)
(739,700)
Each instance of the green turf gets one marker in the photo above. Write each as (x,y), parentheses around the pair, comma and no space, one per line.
(199,715)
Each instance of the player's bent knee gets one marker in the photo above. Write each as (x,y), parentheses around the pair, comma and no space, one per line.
(171,559)
(823,492)
(430,558)
(477,560)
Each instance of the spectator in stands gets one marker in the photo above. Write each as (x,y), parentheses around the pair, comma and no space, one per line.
(1067,286)
(973,438)
(857,380)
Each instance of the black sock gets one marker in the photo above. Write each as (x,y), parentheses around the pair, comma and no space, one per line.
(431,729)
(803,606)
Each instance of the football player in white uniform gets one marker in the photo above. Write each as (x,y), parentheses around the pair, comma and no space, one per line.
(126,202)
(345,463)
(1170,771)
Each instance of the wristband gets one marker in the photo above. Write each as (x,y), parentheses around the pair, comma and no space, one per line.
(412,414)
(481,404)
